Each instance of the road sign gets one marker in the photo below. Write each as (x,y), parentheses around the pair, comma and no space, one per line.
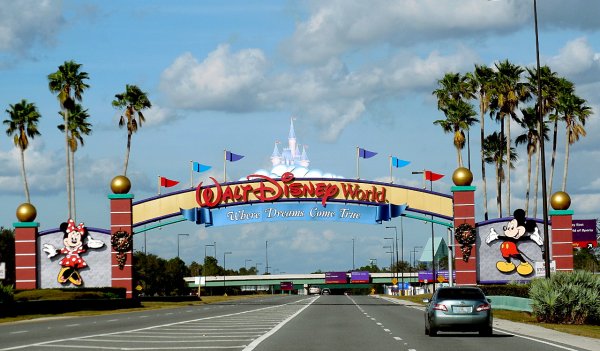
(540,268)
(394,281)
(441,278)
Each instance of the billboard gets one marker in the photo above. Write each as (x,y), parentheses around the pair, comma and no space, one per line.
(359,277)
(335,278)
(441,276)
(584,233)
(286,286)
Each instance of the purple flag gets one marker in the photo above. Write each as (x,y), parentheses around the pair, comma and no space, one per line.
(231,157)
(366,153)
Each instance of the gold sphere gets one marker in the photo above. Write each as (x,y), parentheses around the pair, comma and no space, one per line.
(120,185)
(560,200)
(26,212)
(462,176)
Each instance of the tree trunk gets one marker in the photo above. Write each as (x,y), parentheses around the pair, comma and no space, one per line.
(566,168)
(482,135)
(68,171)
(554,137)
(127,152)
(529,155)
(537,178)
(28,200)
(508,163)
(459,156)
(498,191)
(74,207)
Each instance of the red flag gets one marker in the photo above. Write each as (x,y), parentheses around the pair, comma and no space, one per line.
(429,175)
(167,183)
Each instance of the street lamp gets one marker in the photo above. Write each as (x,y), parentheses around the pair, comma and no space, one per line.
(256,264)
(246,262)
(178,236)
(391,258)
(432,232)
(353,253)
(204,265)
(371,260)
(393,249)
(414,251)
(266,257)
(401,251)
(225,270)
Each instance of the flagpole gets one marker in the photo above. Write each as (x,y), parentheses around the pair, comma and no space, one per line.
(159,184)
(357,167)
(191,173)
(391,177)
(224,166)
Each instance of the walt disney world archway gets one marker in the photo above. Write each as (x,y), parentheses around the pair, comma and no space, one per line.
(264,199)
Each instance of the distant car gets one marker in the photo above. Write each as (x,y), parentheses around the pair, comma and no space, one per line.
(314,290)
(325,291)
(458,309)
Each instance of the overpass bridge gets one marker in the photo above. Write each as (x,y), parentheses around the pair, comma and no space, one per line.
(300,282)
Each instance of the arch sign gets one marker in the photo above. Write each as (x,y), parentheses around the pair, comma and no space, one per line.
(265,199)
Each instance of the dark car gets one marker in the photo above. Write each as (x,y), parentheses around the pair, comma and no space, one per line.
(458,309)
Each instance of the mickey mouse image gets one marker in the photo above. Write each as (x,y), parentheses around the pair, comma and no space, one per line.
(73,239)
(516,230)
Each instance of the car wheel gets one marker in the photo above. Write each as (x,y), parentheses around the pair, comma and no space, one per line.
(432,331)
(426,331)
(488,331)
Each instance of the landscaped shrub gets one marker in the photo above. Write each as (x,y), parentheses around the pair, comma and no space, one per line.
(568,298)
(513,289)
(6,293)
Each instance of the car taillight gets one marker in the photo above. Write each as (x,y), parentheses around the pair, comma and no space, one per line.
(483,307)
(440,307)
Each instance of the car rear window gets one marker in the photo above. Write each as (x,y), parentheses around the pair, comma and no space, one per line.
(460,294)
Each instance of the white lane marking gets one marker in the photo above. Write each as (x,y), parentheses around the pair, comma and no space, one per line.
(72,325)
(378,323)
(398,338)
(19,332)
(64,342)
(256,342)
(386,330)
(534,339)
(113,320)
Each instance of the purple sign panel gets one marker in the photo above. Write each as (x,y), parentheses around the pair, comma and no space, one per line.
(359,277)
(584,233)
(335,278)
(441,276)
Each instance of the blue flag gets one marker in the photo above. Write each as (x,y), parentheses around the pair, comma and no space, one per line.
(231,157)
(396,162)
(199,167)
(366,153)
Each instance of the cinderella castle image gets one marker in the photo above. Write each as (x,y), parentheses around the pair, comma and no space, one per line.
(290,155)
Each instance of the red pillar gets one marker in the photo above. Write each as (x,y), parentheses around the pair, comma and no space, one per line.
(464,212)
(562,239)
(26,234)
(121,219)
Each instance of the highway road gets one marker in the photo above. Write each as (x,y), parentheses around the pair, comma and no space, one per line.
(270,323)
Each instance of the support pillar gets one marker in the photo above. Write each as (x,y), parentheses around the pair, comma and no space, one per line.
(26,234)
(121,219)
(562,239)
(464,212)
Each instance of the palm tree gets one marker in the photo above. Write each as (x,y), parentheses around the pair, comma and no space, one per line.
(134,100)
(68,83)
(563,88)
(530,138)
(508,92)
(494,148)
(481,81)
(574,112)
(459,117)
(78,126)
(22,125)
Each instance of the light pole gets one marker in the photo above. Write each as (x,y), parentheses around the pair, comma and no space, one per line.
(391,252)
(371,260)
(256,264)
(352,253)
(266,257)
(204,265)
(178,236)
(414,251)
(225,270)
(246,262)
(401,251)
(432,232)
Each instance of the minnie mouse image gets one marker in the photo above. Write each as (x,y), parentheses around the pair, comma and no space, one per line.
(73,238)
(515,231)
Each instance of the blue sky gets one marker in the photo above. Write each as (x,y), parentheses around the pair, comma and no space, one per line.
(230,75)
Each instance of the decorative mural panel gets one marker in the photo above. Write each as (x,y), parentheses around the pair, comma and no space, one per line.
(508,250)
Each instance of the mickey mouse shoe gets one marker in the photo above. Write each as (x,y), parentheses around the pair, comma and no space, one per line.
(505,267)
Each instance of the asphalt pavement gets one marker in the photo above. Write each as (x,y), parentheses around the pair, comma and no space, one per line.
(527,330)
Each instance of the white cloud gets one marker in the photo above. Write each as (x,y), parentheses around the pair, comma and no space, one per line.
(223,81)
(27,23)
(576,58)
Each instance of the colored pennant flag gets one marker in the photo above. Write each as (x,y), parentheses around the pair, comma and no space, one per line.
(231,157)
(199,167)
(167,183)
(396,162)
(429,175)
(365,153)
